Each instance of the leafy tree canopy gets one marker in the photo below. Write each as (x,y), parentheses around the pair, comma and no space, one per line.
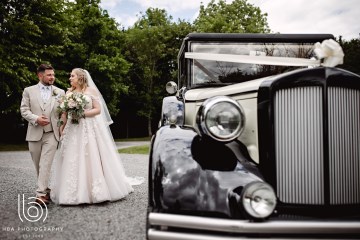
(95,43)
(351,50)
(239,16)
(153,44)
(30,33)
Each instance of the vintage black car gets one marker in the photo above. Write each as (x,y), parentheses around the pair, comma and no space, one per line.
(261,140)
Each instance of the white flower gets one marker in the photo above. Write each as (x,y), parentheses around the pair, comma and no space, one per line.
(71,103)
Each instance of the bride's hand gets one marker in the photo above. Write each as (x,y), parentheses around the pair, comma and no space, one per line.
(61,132)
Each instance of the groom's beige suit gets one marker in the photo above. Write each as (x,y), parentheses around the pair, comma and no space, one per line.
(43,140)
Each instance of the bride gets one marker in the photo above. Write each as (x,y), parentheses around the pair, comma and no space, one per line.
(87,167)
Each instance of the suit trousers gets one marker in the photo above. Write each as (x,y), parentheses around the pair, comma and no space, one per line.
(42,153)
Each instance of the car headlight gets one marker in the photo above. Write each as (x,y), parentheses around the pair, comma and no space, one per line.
(221,118)
(258,199)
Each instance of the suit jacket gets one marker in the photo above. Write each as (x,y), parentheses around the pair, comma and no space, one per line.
(32,107)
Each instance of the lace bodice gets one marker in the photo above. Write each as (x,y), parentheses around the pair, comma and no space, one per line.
(89,104)
(90,98)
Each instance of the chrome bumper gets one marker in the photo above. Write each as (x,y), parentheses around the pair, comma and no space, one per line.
(242,227)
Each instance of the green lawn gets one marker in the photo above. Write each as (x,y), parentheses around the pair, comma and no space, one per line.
(13,147)
(133,139)
(144,149)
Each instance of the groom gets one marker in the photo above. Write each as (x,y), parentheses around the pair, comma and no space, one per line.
(38,107)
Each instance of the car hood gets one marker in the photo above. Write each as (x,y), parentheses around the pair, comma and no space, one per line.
(200,94)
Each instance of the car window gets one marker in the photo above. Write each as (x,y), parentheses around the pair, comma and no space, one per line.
(209,72)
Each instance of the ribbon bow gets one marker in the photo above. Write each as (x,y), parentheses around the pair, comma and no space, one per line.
(330,51)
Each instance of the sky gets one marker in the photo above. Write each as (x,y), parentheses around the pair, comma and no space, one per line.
(337,17)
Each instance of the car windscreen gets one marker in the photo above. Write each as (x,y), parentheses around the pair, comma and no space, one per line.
(216,72)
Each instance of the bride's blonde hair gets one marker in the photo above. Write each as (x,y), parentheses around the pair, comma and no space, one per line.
(82,80)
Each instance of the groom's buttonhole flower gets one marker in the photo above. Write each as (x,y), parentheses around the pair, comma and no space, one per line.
(73,104)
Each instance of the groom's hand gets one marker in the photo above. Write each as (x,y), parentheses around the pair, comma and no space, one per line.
(43,120)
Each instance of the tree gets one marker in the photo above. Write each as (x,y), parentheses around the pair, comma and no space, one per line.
(351,50)
(67,34)
(95,43)
(235,17)
(152,46)
(145,47)
(30,33)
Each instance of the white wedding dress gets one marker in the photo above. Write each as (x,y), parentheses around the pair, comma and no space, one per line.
(87,167)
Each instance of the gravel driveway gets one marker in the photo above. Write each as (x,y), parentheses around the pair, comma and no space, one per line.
(124,219)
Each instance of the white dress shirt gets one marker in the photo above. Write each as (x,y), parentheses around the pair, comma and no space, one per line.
(45,92)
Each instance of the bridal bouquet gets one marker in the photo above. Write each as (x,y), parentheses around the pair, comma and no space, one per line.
(74,105)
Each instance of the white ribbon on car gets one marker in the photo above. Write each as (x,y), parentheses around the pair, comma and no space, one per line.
(329,50)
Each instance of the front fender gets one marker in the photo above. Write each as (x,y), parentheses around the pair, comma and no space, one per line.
(172,111)
(182,180)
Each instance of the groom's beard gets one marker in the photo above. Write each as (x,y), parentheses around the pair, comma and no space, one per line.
(49,83)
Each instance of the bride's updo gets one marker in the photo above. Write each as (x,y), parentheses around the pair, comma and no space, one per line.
(82,81)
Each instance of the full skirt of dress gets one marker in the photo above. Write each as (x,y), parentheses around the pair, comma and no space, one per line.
(87,167)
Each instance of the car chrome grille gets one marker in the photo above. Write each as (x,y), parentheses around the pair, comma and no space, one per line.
(344,145)
(308,171)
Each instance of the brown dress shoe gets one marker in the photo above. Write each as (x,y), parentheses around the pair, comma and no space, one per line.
(47,197)
(42,200)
